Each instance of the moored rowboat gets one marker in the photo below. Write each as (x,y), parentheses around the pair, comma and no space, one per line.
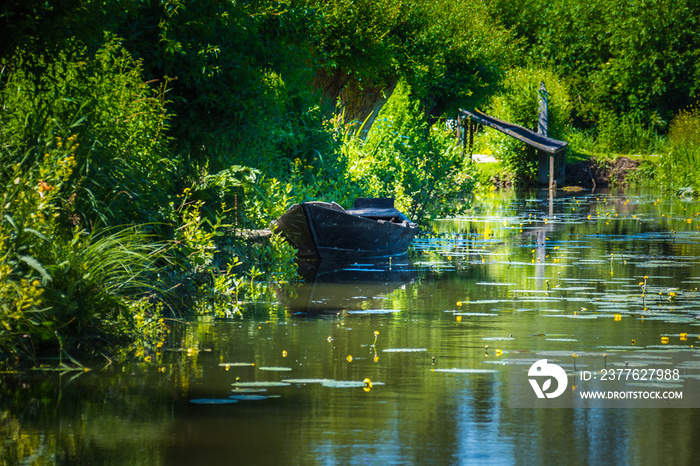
(322,230)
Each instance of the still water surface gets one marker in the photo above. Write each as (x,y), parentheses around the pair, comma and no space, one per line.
(433,332)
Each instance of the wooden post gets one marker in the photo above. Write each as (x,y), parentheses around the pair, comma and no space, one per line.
(459,130)
(542,124)
(543,120)
(472,128)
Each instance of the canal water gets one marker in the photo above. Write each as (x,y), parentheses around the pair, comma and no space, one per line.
(423,359)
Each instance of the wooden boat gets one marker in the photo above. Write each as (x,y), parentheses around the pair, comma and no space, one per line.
(322,230)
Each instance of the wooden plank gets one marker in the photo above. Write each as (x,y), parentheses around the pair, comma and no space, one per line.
(531,138)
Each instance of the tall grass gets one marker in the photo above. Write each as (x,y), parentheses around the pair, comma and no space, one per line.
(628,134)
(679,167)
(85,288)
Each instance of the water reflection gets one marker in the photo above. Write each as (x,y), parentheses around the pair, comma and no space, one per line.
(521,275)
(341,286)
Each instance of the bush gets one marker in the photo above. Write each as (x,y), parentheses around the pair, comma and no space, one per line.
(421,167)
(82,152)
(114,123)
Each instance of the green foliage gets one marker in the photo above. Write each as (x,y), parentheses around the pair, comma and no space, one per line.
(627,134)
(518,103)
(636,56)
(422,168)
(71,166)
(238,92)
(112,122)
(110,110)
(450,53)
(57,291)
(488,176)
(678,169)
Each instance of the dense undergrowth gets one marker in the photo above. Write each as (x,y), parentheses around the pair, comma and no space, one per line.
(141,142)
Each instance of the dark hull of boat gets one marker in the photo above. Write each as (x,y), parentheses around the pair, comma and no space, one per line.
(320,232)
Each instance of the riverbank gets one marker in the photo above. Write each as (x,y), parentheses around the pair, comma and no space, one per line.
(588,173)
(601,172)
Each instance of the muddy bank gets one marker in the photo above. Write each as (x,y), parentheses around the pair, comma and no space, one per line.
(597,173)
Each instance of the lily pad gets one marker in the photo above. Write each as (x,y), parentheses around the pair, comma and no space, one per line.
(248,397)
(457,370)
(404,350)
(260,384)
(574,316)
(347,383)
(495,284)
(374,311)
(304,381)
(213,401)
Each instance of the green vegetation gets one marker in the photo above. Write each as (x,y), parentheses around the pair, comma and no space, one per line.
(678,169)
(631,57)
(403,157)
(141,141)
(518,102)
